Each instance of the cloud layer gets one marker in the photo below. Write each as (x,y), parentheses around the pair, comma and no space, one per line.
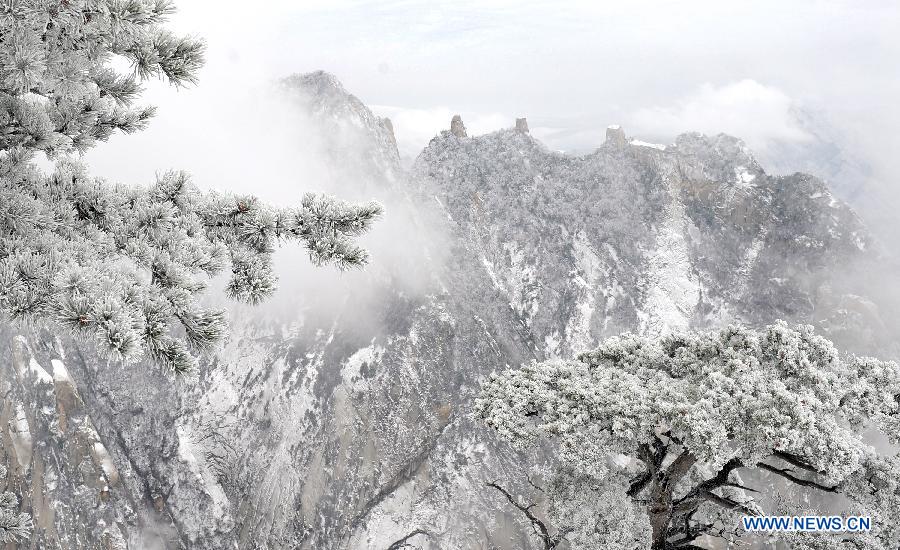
(761,115)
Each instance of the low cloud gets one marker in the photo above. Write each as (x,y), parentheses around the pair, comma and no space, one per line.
(763,116)
(760,115)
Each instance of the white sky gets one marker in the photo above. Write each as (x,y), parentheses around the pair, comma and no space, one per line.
(657,68)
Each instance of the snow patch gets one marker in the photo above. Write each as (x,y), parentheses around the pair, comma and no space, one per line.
(105,461)
(445,209)
(493,275)
(21,438)
(60,373)
(351,372)
(187,455)
(859,241)
(588,273)
(391,520)
(749,260)
(640,143)
(671,291)
(522,283)
(552,342)
(39,373)
(743,178)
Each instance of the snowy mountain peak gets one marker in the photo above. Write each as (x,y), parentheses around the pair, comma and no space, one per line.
(320,83)
(359,147)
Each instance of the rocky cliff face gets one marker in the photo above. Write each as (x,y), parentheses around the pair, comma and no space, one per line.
(346,424)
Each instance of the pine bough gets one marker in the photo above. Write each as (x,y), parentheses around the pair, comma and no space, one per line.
(14,525)
(126,265)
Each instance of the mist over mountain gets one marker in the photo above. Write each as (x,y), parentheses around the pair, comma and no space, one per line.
(342,418)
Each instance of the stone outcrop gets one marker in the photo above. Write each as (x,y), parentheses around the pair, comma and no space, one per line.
(615,136)
(457,128)
(389,127)
(522,125)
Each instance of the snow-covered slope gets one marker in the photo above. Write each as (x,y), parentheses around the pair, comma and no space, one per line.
(349,425)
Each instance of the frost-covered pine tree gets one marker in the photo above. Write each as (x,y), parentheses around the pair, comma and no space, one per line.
(682,424)
(14,525)
(126,264)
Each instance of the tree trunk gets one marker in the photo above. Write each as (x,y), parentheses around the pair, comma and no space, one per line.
(660,514)
(660,508)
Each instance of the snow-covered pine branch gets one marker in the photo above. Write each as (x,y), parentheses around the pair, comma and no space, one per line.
(681,416)
(122,263)
(126,264)
(59,93)
(14,525)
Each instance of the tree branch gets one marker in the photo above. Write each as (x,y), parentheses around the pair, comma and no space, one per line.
(638,484)
(727,503)
(795,460)
(681,465)
(534,485)
(695,495)
(397,545)
(785,473)
(539,526)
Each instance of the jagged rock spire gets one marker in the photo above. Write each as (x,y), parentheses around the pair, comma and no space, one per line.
(522,125)
(457,128)
(615,136)
(389,126)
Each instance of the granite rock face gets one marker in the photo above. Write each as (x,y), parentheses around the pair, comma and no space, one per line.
(346,423)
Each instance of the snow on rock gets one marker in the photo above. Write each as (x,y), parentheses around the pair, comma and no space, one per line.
(489,266)
(743,177)
(360,366)
(749,261)
(521,284)
(21,355)
(552,343)
(639,143)
(588,275)
(20,434)
(60,373)
(40,375)
(671,290)
(104,461)
(385,526)
(187,454)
